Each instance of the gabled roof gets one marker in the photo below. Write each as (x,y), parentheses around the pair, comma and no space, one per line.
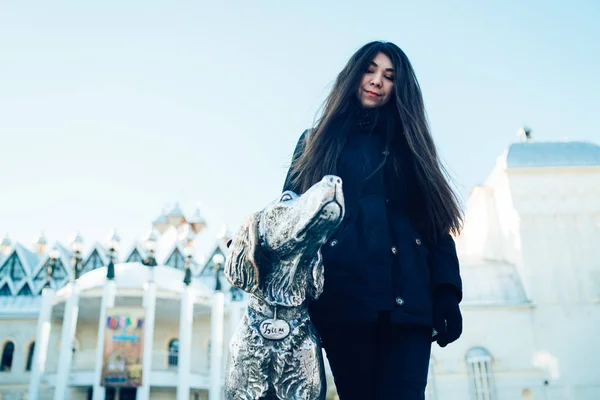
(176,251)
(492,283)
(137,247)
(29,259)
(100,249)
(552,154)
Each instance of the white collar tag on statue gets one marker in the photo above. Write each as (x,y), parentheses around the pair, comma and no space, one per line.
(274,329)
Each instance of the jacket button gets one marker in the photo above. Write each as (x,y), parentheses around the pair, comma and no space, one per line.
(333,242)
(394,250)
(399,301)
(418,241)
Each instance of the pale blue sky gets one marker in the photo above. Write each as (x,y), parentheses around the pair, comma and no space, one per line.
(111,110)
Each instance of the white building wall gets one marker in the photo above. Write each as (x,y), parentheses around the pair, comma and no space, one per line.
(21,332)
(506,333)
(559,214)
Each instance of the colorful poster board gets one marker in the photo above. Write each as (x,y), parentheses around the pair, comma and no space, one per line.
(123,347)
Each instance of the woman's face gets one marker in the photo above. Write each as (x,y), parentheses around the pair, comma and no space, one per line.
(377,84)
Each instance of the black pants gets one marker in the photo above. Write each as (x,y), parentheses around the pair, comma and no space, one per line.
(377,361)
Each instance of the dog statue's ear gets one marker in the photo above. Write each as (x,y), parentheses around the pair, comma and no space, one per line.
(317,277)
(240,267)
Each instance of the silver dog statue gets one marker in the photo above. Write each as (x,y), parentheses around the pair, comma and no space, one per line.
(276,257)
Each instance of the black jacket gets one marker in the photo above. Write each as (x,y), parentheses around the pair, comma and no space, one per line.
(377,260)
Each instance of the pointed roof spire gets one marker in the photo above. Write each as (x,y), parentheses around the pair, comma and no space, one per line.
(197,222)
(5,245)
(41,243)
(161,224)
(41,239)
(175,217)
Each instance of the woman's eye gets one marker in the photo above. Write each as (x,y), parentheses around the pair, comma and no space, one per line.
(286,197)
(391,78)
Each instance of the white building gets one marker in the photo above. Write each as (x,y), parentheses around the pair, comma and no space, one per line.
(52,330)
(531,298)
(530,263)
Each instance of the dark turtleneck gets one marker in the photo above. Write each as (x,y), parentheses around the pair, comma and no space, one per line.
(370,120)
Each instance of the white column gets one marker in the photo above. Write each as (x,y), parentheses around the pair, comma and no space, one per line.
(235,315)
(143,392)
(40,349)
(216,346)
(108,301)
(185,344)
(65,355)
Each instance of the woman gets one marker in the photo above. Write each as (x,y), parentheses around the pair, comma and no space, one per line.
(391,270)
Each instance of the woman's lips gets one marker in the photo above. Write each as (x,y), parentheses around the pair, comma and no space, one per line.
(372,94)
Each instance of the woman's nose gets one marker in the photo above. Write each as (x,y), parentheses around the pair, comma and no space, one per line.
(376,81)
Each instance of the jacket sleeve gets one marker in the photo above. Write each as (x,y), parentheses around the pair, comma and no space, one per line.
(297,152)
(444,265)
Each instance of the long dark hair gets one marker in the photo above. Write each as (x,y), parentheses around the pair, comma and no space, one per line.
(324,145)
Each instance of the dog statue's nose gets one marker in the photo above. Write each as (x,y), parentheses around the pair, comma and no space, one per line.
(332,180)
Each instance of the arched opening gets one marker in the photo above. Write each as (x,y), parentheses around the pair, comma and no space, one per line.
(173,357)
(30,356)
(481,375)
(7,356)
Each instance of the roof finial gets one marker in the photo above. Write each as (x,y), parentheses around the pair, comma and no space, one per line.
(41,243)
(525,134)
(6,245)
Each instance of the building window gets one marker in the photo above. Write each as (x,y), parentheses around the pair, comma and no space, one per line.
(59,271)
(430,388)
(25,291)
(16,268)
(134,257)
(7,357)
(176,260)
(5,290)
(481,376)
(30,356)
(94,261)
(173,352)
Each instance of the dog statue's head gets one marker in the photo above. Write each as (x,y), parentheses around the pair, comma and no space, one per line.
(290,227)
